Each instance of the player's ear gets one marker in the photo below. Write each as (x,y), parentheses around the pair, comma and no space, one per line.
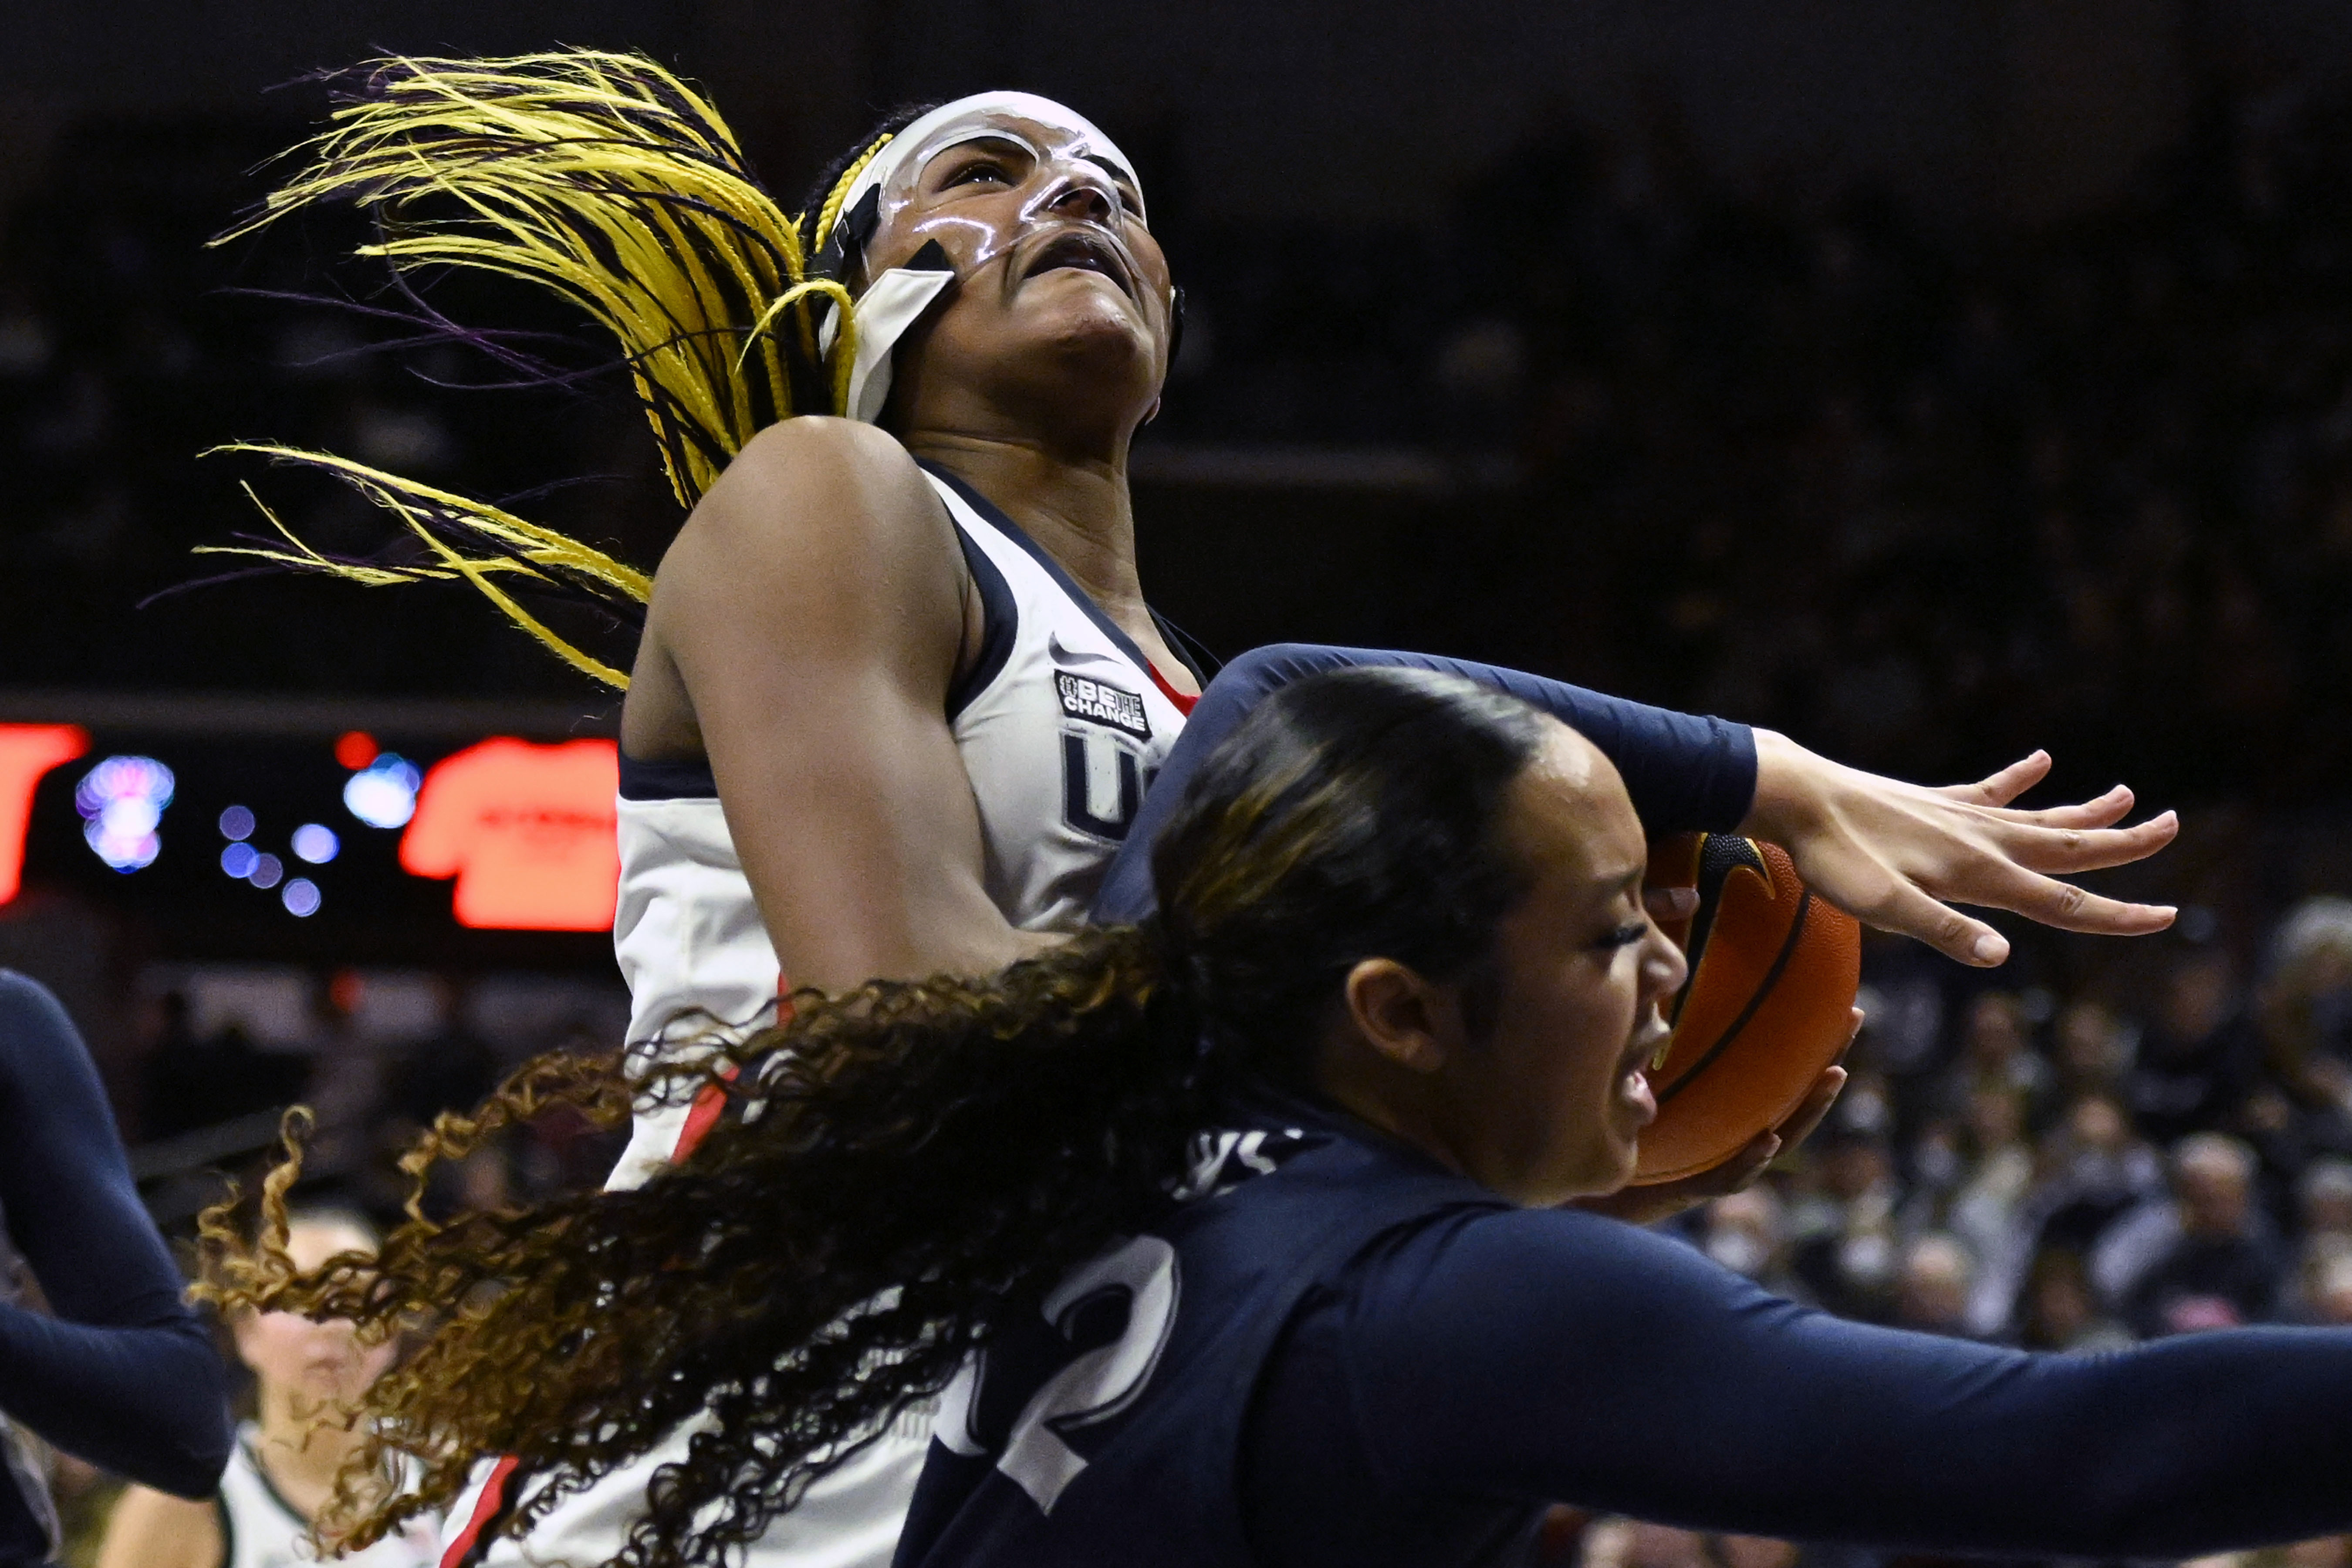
(1403,1017)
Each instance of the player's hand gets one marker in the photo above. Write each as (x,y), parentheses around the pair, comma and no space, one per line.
(1648,1205)
(1898,856)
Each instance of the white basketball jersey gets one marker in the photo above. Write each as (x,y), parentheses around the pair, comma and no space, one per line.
(1061,727)
(263,1531)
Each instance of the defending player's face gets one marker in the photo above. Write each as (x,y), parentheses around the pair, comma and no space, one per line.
(1055,263)
(1584,977)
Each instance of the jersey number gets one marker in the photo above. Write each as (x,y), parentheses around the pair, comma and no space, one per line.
(1095,1386)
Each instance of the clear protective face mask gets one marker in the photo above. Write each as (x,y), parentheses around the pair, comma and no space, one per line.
(1053,137)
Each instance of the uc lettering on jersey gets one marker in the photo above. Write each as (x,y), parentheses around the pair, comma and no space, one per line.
(526,831)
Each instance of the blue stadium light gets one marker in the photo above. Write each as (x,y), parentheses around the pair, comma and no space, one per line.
(316,842)
(122,799)
(384,793)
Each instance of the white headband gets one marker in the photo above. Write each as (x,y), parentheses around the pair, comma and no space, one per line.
(898,297)
(968,118)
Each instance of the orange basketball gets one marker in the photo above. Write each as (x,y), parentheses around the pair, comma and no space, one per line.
(1770,1002)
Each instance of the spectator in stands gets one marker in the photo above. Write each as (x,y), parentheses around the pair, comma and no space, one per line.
(1997,1054)
(2093,1050)
(1987,1212)
(2330,1291)
(2326,1202)
(1748,1233)
(1844,1253)
(2200,1056)
(2306,1010)
(2210,1257)
(2059,1311)
(2094,1170)
(453,1069)
(1932,1287)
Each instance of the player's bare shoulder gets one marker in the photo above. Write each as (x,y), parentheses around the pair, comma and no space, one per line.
(810,492)
(823,542)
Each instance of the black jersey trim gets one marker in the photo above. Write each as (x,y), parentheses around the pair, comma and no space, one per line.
(269,1487)
(1000,619)
(996,519)
(1000,623)
(1190,650)
(666,781)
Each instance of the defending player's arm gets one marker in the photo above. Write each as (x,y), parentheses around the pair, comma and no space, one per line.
(1555,1355)
(1892,854)
(809,619)
(124,1375)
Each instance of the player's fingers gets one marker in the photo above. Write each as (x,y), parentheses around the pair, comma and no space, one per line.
(2060,850)
(1907,910)
(2000,788)
(2104,811)
(2069,907)
(1740,1172)
(1800,1123)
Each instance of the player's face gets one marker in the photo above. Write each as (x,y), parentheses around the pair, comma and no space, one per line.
(1557,1084)
(311,1365)
(1057,269)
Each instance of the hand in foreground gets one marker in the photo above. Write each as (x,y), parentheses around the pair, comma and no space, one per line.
(1898,856)
(1648,1205)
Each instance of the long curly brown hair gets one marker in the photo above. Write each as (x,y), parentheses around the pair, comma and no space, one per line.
(907,1159)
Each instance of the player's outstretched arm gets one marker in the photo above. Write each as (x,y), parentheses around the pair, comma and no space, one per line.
(1895,855)
(1898,856)
(805,629)
(1556,1354)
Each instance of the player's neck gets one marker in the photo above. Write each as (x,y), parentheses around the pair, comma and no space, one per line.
(301,1450)
(1078,509)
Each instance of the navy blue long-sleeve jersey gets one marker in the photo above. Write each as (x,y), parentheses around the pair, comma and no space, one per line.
(1346,1357)
(1683,774)
(124,1375)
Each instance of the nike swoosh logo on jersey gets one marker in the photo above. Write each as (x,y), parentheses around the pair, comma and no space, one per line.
(1060,655)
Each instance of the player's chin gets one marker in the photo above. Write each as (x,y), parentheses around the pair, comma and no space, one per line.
(1093,321)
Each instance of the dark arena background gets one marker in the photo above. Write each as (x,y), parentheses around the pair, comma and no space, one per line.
(1931,382)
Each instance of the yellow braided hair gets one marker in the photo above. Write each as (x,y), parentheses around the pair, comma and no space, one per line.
(605,179)
(445,522)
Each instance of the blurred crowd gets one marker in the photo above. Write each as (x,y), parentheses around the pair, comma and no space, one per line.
(1922,496)
(208,1097)
(2076,1172)
(1921,493)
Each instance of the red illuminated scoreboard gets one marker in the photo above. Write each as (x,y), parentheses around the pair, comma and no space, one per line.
(246,811)
(27,752)
(526,831)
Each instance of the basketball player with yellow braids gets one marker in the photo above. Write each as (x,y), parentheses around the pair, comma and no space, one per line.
(901,635)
